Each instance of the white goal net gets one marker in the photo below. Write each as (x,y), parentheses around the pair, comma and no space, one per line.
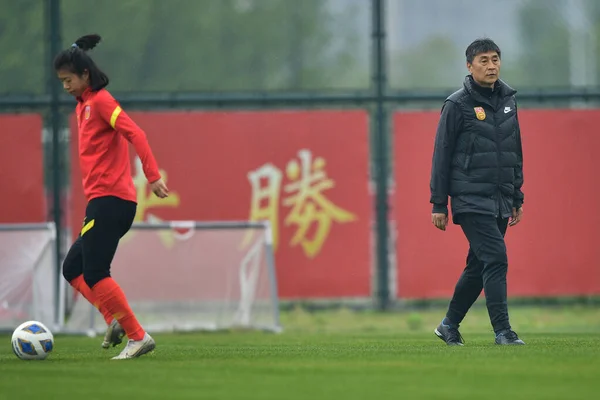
(183,276)
(28,275)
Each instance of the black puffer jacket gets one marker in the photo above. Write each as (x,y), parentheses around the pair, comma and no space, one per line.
(478,158)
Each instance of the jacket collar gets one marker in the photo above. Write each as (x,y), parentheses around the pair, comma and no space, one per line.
(85,96)
(485,95)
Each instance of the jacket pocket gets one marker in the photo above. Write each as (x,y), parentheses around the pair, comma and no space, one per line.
(469,153)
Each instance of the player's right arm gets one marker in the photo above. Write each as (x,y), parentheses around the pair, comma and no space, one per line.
(447,131)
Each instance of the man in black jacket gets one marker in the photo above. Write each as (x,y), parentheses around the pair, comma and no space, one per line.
(478,162)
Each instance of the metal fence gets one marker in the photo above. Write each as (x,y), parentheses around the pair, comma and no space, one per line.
(377,54)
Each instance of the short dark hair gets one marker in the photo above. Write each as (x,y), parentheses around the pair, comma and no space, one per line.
(482,45)
(76,60)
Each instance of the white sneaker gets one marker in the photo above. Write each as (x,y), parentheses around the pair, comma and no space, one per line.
(114,335)
(136,348)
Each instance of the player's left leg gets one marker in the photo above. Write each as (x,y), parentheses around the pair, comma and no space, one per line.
(505,336)
(112,217)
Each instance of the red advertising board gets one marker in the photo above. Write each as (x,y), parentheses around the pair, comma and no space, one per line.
(554,250)
(305,171)
(21,169)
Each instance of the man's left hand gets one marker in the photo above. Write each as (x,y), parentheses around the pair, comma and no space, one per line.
(516,216)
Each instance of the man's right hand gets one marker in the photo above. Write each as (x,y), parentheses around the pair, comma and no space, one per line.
(440,220)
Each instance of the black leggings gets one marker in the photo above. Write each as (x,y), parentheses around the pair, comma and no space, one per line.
(107,220)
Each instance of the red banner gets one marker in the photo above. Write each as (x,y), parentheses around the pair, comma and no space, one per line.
(305,171)
(554,250)
(21,169)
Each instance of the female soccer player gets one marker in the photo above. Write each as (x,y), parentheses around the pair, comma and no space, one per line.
(104,130)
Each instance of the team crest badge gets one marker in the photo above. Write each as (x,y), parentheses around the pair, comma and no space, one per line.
(87,112)
(480,113)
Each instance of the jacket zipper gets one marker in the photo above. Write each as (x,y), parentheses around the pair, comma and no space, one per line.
(497,200)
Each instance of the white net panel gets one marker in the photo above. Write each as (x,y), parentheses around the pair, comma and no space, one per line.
(192,276)
(27,275)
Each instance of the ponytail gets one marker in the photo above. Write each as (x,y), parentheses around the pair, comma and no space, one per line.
(76,60)
(87,42)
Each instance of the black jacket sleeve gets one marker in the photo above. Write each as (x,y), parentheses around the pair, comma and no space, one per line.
(518,196)
(448,129)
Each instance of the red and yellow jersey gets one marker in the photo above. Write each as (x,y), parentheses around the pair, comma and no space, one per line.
(104,130)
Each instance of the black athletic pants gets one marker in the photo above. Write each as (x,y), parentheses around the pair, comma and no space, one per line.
(486,269)
(107,219)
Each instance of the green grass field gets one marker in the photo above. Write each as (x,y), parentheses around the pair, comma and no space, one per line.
(331,355)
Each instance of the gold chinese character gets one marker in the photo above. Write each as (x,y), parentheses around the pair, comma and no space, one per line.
(146,200)
(264,203)
(309,204)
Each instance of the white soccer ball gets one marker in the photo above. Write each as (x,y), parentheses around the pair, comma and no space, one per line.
(32,340)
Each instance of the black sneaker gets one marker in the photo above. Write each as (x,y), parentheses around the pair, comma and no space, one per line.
(508,337)
(449,334)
